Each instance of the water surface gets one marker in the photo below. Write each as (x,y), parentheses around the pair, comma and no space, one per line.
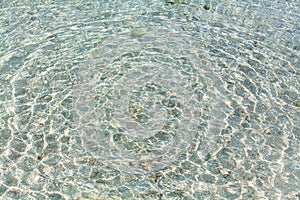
(149,100)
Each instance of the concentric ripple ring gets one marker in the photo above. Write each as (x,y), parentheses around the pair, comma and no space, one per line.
(142,99)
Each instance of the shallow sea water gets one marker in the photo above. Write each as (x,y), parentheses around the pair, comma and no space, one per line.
(149,100)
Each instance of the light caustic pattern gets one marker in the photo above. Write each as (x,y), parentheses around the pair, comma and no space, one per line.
(170,100)
(141,100)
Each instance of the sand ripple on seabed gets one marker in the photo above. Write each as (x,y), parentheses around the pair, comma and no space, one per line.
(142,98)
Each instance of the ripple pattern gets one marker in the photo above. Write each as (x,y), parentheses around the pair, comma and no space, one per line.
(144,97)
(149,99)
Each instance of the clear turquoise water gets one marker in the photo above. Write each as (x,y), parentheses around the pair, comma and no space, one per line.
(149,100)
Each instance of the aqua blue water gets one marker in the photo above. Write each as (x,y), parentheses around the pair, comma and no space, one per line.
(149,99)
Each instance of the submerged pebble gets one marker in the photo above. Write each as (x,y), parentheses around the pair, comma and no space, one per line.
(207,7)
(177,1)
